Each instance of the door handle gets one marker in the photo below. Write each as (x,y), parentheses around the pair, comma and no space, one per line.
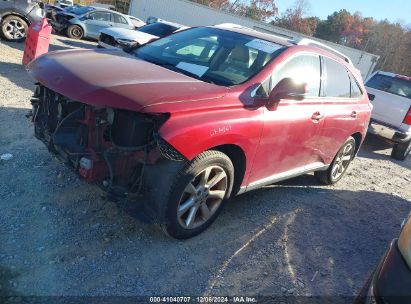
(354,114)
(317,116)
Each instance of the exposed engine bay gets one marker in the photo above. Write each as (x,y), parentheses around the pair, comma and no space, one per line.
(110,147)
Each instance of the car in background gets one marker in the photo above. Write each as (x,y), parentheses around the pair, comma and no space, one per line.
(60,17)
(123,38)
(88,21)
(137,21)
(63,3)
(105,6)
(152,19)
(390,95)
(199,116)
(51,12)
(390,282)
(16,16)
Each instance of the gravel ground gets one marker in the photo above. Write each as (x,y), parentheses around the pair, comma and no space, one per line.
(60,236)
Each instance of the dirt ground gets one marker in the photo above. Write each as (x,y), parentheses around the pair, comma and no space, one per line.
(60,236)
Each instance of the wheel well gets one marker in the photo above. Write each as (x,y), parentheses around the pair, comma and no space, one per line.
(18,15)
(358,137)
(237,156)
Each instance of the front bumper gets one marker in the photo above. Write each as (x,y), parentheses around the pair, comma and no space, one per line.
(391,282)
(389,132)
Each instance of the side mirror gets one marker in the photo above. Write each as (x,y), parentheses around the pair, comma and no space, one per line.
(287,88)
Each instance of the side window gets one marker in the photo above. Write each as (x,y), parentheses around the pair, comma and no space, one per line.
(100,16)
(338,81)
(355,89)
(119,19)
(303,69)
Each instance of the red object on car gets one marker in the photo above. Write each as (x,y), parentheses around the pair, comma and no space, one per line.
(37,41)
(407,119)
(195,118)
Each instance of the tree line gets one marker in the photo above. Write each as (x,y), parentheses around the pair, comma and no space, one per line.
(391,41)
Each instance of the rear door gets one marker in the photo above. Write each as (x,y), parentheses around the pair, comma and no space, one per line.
(97,21)
(392,98)
(120,21)
(342,109)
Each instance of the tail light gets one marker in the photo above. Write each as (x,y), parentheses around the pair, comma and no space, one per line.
(407,119)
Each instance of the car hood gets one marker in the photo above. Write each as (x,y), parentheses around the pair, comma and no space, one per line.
(115,79)
(122,33)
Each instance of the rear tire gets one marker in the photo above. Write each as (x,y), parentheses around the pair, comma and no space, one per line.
(191,194)
(339,165)
(75,32)
(14,28)
(401,151)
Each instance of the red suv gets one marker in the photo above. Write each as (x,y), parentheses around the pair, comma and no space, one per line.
(195,118)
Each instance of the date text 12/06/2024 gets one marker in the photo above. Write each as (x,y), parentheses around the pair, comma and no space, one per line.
(203,299)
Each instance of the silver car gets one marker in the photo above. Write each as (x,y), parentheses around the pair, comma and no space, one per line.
(91,22)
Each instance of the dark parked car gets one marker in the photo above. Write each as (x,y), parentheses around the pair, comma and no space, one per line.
(390,283)
(199,116)
(16,16)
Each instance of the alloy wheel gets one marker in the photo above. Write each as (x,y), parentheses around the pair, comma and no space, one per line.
(14,29)
(202,197)
(342,161)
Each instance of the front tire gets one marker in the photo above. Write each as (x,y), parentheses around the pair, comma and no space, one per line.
(14,28)
(339,165)
(193,194)
(75,32)
(401,151)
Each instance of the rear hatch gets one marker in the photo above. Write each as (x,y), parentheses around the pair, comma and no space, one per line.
(392,98)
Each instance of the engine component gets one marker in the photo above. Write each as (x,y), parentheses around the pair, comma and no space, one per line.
(131,129)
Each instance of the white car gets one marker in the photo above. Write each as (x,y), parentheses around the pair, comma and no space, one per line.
(136,21)
(390,95)
(120,37)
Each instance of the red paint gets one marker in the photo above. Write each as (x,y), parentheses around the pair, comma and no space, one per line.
(37,41)
(203,115)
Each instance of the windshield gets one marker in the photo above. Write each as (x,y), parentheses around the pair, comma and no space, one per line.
(158,29)
(393,85)
(79,10)
(213,55)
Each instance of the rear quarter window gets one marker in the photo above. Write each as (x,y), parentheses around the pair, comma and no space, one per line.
(338,82)
(356,92)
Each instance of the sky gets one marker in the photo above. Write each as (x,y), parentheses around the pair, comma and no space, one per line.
(393,10)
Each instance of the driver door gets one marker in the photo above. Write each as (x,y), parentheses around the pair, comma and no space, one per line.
(291,131)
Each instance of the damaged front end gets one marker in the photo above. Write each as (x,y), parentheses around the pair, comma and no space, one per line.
(107,146)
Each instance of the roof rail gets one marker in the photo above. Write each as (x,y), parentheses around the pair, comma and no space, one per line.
(310,42)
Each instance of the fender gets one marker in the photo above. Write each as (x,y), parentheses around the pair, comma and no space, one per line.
(193,133)
(17,12)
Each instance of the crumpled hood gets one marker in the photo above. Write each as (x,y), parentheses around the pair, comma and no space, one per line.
(122,33)
(113,78)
